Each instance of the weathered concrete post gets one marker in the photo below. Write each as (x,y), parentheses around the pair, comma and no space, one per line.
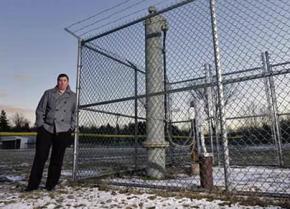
(155,111)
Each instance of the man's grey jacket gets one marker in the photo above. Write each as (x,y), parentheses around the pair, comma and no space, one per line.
(57,111)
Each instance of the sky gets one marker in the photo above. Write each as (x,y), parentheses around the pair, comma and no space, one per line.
(34,48)
(245,31)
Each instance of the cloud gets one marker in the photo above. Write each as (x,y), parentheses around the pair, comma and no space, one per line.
(11,110)
(3,93)
(22,77)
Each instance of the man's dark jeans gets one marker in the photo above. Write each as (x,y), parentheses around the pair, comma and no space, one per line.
(45,140)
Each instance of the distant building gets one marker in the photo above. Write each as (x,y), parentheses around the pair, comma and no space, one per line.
(17,142)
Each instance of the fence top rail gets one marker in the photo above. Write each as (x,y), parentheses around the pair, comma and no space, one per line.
(184,2)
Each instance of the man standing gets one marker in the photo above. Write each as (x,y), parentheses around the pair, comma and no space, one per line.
(55,121)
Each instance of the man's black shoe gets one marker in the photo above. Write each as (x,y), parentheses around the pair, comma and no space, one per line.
(49,188)
(29,189)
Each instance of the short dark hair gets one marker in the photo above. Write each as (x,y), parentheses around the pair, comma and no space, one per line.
(62,75)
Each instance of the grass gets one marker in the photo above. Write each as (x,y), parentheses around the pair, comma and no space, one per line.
(18,162)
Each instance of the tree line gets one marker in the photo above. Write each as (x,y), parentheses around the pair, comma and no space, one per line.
(252,132)
(246,134)
(18,123)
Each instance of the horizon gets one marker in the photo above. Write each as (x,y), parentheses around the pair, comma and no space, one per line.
(35,48)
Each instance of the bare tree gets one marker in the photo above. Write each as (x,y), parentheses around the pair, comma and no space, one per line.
(20,121)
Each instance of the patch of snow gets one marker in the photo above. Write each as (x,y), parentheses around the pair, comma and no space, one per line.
(11,178)
(255,179)
(87,197)
(67,173)
(15,178)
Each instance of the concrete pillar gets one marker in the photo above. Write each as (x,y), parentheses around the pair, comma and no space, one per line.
(155,111)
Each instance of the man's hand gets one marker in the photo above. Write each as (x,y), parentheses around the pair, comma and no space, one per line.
(71,130)
(41,109)
(40,128)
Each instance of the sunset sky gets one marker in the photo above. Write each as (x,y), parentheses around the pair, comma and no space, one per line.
(34,48)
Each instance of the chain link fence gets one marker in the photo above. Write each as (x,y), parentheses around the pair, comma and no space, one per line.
(193,96)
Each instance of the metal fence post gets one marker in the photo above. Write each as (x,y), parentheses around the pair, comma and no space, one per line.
(136,117)
(272,106)
(76,134)
(219,77)
(208,102)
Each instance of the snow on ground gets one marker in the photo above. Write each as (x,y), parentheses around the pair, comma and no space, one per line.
(13,175)
(91,196)
(250,178)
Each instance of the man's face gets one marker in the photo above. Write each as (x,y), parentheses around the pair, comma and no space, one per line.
(62,83)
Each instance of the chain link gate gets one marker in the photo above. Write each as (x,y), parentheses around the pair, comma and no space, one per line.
(191,95)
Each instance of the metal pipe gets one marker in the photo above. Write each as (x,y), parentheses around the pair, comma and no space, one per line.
(73,34)
(216,134)
(164,28)
(113,58)
(136,118)
(76,134)
(236,118)
(113,113)
(230,73)
(280,64)
(222,119)
(208,102)
(167,110)
(192,87)
(140,20)
(274,109)
(269,101)
(224,74)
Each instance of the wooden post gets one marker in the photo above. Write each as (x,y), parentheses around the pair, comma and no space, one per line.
(205,167)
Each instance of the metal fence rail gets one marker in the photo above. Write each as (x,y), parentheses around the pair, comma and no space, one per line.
(192,96)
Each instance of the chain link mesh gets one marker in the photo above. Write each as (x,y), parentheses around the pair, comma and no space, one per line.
(149,99)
